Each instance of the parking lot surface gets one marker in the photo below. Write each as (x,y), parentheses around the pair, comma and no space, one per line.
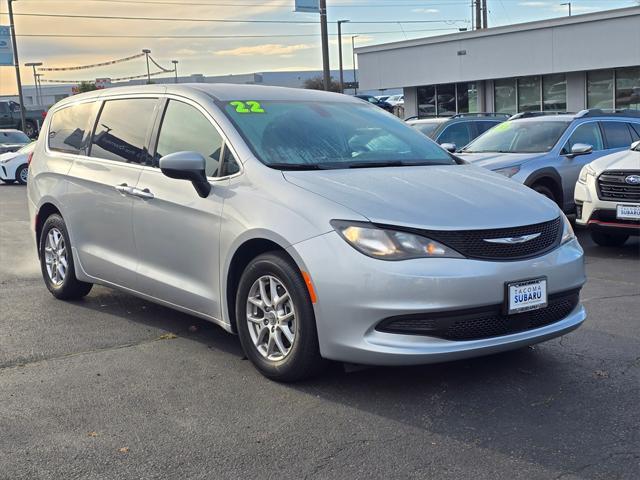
(115,387)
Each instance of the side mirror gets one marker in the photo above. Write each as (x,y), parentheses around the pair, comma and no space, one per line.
(635,145)
(449,147)
(187,166)
(580,149)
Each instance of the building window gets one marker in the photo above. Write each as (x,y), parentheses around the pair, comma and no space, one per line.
(628,88)
(504,95)
(468,97)
(446,95)
(427,101)
(529,94)
(554,93)
(600,89)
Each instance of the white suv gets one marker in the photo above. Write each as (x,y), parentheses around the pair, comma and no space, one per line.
(607,197)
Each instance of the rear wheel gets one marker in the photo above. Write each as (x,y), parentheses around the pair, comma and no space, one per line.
(609,239)
(22,174)
(275,319)
(56,261)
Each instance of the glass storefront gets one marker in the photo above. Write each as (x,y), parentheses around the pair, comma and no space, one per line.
(619,88)
(600,89)
(447,99)
(504,91)
(554,93)
(467,97)
(628,88)
(427,101)
(529,94)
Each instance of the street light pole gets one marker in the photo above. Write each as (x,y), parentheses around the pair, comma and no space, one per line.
(16,63)
(353,58)
(326,74)
(33,65)
(39,82)
(146,52)
(567,4)
(175,69)
(340,22)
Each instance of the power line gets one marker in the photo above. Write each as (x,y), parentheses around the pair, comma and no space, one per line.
(262,4)
(216,20)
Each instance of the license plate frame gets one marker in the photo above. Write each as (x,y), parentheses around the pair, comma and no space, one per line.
(509,309)
(627,216)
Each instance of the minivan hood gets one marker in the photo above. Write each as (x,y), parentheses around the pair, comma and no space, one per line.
(495,160)
(447,197)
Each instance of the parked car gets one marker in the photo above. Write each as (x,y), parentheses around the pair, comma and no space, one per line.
(378,103)
(394,100)
(608,197)
(382,98)
(14,166)
(12,140)
(10,117)
(455,132)
(312,224)
(547,152)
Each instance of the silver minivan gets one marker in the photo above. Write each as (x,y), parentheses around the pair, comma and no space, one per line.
(314,225)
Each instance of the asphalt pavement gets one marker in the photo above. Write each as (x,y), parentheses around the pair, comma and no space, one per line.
(114,387)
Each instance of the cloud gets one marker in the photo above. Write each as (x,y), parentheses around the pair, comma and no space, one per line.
(267,49)
(534,4)
(425,10)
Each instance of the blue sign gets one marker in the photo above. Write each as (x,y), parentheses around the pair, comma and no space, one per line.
(312,6)
(6,52)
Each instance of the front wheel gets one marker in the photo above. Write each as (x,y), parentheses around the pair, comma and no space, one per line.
(609,239)
(275,319)
(22,174)
(56,261)
(30,129)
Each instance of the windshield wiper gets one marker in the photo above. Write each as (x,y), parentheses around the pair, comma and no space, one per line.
(296,166)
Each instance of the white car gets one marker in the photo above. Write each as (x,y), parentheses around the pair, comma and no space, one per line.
(395,100)
(14,166)
(607,197)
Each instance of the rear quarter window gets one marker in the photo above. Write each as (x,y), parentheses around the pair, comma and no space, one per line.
(69,128)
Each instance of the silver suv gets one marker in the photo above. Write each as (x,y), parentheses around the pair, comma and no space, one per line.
(547,153)
(313,225)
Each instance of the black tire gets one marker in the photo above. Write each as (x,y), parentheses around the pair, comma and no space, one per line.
(303,359)
(70,287)
(609,239)
(19,173)
(8,181)
(546,191)
(30,129)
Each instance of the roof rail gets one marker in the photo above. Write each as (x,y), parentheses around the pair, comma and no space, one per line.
(481,114)
(598,112)
(536,113)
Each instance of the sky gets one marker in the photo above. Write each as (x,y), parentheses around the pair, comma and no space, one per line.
(248,47)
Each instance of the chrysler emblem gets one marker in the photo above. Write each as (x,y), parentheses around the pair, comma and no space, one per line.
(512,240)
(633,180)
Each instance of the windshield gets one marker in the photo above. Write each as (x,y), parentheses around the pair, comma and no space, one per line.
(311,135)
(13,137)
(27,148)
(519,137)
(426,127)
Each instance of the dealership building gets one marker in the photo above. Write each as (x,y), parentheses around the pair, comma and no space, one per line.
(561,64)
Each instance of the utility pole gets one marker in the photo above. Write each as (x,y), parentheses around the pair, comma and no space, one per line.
(568,4)
(478,7)
(326,74)
(175,69)
(485,13)
(39,83)
(33,65)
(340,22)
(353,55)
(146,52)
(16,63)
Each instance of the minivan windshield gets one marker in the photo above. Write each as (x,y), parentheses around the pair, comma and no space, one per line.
(528,136)
(320,135)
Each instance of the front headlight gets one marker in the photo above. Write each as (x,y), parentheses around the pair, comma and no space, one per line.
(508,171)
(586,171)
(567,230)
(387,244)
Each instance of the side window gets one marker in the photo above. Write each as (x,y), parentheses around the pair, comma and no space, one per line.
(588,133)
(617,134)
(484,125)
(122,129)
(184,128)
(635,131)
(457,133)
(4,107)
(230,165)
(69,128)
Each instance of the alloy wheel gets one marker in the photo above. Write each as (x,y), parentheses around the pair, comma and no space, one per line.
(24,175)
(55,257)
(271,318)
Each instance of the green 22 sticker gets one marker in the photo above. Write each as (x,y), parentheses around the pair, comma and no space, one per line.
(249,106)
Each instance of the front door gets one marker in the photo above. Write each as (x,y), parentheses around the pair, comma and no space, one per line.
(176,231)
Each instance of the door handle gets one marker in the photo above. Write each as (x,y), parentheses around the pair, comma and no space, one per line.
(142,193)
(124,188)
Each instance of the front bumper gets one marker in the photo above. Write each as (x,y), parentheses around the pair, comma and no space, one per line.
(356,292)
(600,214)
